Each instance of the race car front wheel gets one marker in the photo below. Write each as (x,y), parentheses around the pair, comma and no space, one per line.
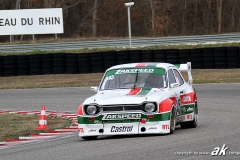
(194,122)
(89,137)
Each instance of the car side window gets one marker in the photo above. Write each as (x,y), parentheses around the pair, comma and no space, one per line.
(171,77)
(178,77)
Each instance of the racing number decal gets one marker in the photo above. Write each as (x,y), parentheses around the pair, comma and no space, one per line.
(109,78)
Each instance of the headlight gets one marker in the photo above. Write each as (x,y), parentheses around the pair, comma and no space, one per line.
(91,109)
(149,107)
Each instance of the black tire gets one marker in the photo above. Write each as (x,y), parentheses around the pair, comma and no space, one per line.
(159,55)
(89,137)
(172,121)
(123,56)
(135,56)
(147,55)
(184,56)
(84,69)
(172,56)
(197,58)
(1,66)
(47,63)
(220,49)
(71,63)
(59,63)
(194,122)
(97,62)
(22,65)
(10,65)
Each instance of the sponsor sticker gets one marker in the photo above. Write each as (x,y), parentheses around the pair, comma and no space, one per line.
(80,130)
(152,128)
(97,122)
(92,130)
(189,116)
(190,109)
(121,129)
(186,99)
(121,116)
(145,70)
(165,126)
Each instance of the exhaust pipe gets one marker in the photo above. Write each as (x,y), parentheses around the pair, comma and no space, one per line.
(101,130)
(143,129)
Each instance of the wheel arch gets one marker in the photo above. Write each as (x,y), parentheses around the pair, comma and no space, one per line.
(80,110)
(166,106)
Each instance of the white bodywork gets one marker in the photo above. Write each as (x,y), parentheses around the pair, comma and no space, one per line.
(181,94)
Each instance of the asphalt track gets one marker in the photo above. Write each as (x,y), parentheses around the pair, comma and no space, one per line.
(219,119)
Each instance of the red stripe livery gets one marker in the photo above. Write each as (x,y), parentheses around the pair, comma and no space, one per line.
(80,110)
(188,98)
(141,65)
(165,105)
(134,91)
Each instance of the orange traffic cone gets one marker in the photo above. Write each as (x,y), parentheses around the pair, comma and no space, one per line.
(43,120)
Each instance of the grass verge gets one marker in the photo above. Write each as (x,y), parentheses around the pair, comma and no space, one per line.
(89,50)
(93,79)
(15,125)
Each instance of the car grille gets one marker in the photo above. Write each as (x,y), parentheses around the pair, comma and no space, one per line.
(121,108)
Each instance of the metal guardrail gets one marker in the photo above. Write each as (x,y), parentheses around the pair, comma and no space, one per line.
(199,39)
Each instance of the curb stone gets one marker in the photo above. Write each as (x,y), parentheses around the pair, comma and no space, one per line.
(36,137)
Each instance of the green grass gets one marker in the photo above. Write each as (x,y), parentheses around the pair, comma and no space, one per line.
(88,50)
(93,79)
(15,125)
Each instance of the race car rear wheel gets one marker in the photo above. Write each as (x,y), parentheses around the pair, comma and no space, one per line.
(172,121)
(89,137)
(194,122)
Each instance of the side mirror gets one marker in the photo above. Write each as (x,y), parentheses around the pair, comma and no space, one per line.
(94,89)
(173,85)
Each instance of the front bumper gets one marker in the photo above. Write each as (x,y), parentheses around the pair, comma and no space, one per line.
(159,127)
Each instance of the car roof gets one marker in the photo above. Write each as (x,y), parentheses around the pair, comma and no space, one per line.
(142,65)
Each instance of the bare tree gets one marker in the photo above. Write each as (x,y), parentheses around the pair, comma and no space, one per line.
(219,14)
(108,18)
(94,24)
(17,4)
(232,15)
(195,16)
(184,9)
(153,17)
(46,4)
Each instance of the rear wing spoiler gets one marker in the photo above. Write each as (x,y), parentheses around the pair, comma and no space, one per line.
(186,68)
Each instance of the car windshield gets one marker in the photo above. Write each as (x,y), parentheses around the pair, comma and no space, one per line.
(134,78)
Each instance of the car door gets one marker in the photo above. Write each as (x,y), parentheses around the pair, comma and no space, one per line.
(181,89)
(176,84)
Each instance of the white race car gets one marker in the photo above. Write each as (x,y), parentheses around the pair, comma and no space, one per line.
(140,98)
